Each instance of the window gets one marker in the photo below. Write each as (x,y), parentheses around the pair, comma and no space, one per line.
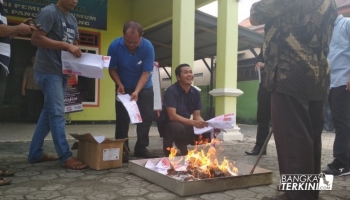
(198,75)
(89,87)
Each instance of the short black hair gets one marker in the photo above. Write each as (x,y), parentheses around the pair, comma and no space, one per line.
(178,68)
(133,25)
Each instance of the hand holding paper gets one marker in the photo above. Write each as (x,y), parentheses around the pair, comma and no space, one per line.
(131,107)
(88,65)
(220,122)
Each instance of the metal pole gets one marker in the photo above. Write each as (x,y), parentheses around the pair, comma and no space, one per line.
(253,51)
(261,151)
(211,100)
(166,71)
(206,64)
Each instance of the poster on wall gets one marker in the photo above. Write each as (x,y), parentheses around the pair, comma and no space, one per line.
(89,13)
(72,99)
(156,87)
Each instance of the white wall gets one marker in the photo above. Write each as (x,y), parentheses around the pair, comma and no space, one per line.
(199,67)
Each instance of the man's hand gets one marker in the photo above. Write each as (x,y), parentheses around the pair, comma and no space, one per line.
(348,86)
(120,89)
(134,96)
(24,29)
(23,93)
(74,50)
(200,123)
(259,65)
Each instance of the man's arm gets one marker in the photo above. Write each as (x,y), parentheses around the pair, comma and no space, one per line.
(147,68)
(11,31)
(113,66)
(197,115)
(170,104)
(115,77)
(142,81)
(24,83)
(39,39)
(264,11)
(177,118)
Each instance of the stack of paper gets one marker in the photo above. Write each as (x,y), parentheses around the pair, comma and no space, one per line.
(88,65)
(131,107)
(220,122)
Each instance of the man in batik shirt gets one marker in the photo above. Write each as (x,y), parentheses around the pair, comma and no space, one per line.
(297,75)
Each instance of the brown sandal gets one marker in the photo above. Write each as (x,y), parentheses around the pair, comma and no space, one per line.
(4,182)
(5,173)
(47,157)
(74,164)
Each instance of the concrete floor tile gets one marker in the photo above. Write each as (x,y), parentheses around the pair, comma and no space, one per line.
(113,180)
(42,195)
(241,193)
(77,191)
(132,192)
(20,190)
(53,187)
(216,196)
(135,183)
(11,197)
(161,196)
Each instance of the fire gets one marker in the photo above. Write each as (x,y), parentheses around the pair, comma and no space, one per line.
(204,164)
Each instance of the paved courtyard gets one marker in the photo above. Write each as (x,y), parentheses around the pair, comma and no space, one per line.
(50,181)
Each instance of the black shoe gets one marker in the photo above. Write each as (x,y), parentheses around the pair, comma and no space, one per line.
(144,153)
(255,151)
(125,157)
(336,170)
(183,149)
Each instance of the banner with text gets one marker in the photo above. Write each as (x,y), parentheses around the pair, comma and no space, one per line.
(89,13)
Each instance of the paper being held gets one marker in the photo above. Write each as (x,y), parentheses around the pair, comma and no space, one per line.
(88,65)
(220,122)
(131,107)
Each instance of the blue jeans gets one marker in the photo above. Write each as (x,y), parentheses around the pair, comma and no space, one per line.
(51,117)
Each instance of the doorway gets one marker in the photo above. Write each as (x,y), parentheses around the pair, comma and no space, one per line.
(14,106)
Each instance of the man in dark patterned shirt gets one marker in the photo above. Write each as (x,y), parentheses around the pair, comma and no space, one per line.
(297,74)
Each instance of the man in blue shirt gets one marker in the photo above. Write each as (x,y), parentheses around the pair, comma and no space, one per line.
(339,96)
(181,100)
(132,59)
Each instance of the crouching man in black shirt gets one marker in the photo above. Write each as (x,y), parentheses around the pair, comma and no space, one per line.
(181,100)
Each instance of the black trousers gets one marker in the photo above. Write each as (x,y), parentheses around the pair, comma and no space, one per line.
(297,127)
(339,101)
(145,104)
(35,100)
(263,116)
(176,132)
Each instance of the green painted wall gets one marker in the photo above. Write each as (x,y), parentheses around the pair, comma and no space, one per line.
(152,12)
(247,103)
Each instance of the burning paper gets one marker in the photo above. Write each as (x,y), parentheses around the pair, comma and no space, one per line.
(198,164)
(221,122)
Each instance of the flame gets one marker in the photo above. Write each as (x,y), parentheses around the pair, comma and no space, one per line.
(204,164)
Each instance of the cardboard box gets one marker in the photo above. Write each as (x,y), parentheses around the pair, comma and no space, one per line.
(99,152)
